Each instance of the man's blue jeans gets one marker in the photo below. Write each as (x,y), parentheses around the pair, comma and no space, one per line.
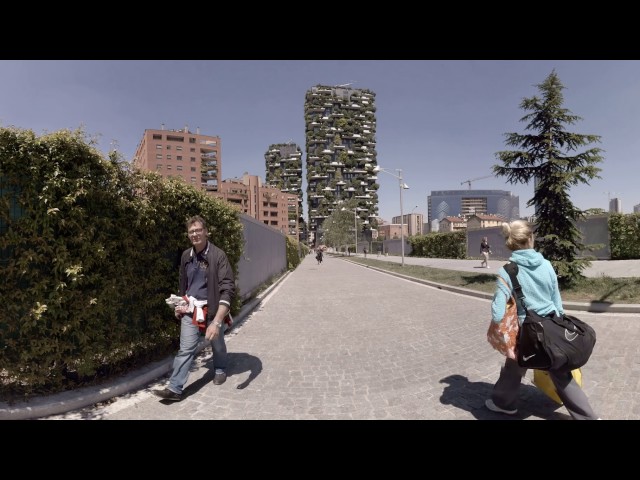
(189,339)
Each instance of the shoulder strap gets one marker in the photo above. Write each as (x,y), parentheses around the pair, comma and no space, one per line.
(512,269)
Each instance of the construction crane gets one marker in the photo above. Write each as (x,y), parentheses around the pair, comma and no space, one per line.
(473,180)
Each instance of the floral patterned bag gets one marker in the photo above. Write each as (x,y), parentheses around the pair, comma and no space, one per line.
(503,335)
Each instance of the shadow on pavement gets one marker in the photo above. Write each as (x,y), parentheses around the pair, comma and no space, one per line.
(470,396)
(238,363)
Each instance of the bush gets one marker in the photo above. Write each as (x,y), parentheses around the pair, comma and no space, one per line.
(90,250)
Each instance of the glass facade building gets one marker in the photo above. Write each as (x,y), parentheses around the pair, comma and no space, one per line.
(464,203)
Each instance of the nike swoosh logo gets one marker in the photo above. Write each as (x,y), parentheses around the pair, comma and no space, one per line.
(570,336)
(527,358)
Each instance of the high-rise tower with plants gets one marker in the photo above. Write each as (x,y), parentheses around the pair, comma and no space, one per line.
(341,152)
(283,167)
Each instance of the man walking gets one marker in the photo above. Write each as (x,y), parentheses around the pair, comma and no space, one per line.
(485,250)
(207,279)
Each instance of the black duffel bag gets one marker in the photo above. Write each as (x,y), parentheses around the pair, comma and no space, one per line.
(555,342)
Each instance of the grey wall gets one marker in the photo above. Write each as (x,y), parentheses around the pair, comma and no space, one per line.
(264,255)
(594,229)
(394,247)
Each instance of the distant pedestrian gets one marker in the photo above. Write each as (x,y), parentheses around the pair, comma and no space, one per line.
(540,287)
(365,252)
(485,251)
(319,256)
(207,280)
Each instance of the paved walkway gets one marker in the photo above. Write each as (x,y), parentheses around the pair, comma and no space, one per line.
(341,341)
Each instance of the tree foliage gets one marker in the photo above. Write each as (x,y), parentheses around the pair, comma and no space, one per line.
(89,250)
(338,226)
(549,156)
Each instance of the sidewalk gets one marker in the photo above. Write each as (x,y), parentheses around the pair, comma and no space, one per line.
(342,341)
(610,268)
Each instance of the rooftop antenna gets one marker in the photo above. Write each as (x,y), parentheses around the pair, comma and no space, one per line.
(347,84)
(609,195)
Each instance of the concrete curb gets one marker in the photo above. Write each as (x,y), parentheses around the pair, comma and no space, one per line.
(83,397)
(593,307)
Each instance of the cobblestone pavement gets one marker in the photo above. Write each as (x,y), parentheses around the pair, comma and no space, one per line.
(340,341)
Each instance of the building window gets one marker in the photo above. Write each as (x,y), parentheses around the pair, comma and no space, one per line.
(159,166)
(158,146)
(157,137)
(168,157)
(193,179)
(193,169)
(193,159)
(158,155)
(192,149)
(179,148)
(179,157)
(168,147)
(192,140)
(168,167)
(179,167)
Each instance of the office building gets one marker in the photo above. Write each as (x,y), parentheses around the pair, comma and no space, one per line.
(180,153)
(464,203)
(341,152)
(413,221)
(615,205)
(264,203)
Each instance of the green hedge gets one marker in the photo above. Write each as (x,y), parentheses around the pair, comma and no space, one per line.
(440,245)
(90,250)
(624,232)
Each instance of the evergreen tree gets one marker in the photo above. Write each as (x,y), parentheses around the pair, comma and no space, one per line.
(549,157)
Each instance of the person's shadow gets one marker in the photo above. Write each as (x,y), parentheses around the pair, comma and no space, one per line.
(470,396)
(237,364)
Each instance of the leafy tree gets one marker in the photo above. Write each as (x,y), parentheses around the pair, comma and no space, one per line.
(595,211)
(548,156)
(338,227)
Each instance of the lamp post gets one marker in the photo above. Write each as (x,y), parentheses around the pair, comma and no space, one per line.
(403,186)
(410,224)
(355,225)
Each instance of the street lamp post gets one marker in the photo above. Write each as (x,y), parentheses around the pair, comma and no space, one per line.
(355,225)
(410,223)
(403,186)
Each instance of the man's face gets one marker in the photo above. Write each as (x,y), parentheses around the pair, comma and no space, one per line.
(197,235)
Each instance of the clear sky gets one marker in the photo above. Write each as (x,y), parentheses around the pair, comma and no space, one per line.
(440,121)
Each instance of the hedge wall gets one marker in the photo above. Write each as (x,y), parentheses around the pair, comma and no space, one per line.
(89,250)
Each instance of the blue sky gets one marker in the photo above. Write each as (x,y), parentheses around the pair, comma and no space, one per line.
(440,121)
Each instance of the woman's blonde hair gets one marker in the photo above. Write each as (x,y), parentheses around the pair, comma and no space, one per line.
(517,234)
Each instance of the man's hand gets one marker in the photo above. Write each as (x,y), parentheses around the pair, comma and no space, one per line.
(179,311)
(212,331)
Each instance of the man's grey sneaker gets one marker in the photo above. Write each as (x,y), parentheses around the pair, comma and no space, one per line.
(220,378)
(494,408)
(167,394)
